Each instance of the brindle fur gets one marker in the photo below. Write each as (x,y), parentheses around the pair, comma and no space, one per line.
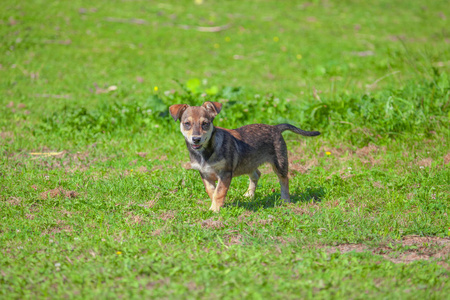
(220,154)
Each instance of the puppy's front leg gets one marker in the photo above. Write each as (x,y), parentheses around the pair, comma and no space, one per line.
(220,193)
(210,186)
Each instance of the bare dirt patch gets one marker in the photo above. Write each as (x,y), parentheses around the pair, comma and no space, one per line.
(341,153)
(366,150)
(417,248)
(305,209)
(168,215)
(262,221)
(426,162)
(366,154)
(297,167)
(254,222)
(155,284)
(447,159)
(59,192)
(299,162)
(14,201)
(150,203)
(212,224)
(142,169)
(344,174)
(6,135)
(134,219)
(30,216)
(244,216)
(156,232)
(377,184)
(283,240)
(344,248)
(232,239)
(55,159)
(420,248)
(142,154)
(192,286)
(58,228)
(67,213)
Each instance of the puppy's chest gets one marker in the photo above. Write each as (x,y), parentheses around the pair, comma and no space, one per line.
(209,168)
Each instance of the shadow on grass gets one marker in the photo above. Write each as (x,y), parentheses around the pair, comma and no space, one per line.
(273,200)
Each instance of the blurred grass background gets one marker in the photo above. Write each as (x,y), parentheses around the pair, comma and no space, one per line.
(290,48)
(83,69)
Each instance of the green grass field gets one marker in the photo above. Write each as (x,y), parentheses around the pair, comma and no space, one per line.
(94,202)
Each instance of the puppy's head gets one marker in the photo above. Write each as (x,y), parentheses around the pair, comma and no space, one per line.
(196,122)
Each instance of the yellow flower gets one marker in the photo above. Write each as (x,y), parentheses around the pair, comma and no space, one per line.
(216,46)
(328,153)
(276,39)
(227,39)
(119,253)
(299,56)
(155,88)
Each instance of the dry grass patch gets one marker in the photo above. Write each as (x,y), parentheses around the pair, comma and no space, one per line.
(447,159)
(284,240)
(14,201)
(417,248)
(53,193)
(168,215)
(244,216)
(150,203)
(212,224)
(58,228)
(232,239)
(421,248)
(305,209)
(134,219)
(296,167)
(426,162)
(30,216)
(377,184)
(345,248)
(156,232)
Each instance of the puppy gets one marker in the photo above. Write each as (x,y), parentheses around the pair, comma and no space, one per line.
(220,154)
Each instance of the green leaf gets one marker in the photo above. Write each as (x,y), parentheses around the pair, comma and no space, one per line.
(193,85)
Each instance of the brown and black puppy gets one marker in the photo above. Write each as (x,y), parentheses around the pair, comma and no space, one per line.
(220,154)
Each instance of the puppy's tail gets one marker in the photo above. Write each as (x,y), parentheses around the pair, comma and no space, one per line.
(284,127)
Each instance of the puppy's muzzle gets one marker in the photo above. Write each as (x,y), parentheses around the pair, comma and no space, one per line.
(196,142)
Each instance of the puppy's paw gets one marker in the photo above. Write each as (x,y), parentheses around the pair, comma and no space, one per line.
(286,200)
(249,194)
(214,208)
(187,166)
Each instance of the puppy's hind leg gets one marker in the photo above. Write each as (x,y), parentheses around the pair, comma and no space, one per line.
(284,183)
(254,177)
(280,166)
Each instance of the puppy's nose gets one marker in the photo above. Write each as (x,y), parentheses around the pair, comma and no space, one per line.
(196,140)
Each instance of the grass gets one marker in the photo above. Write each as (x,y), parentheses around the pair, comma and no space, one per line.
(94,201)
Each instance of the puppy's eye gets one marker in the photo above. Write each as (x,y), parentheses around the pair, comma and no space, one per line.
(187,125)
(205,126)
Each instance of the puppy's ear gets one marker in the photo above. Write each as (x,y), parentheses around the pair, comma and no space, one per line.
(213,108)
(177,110)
